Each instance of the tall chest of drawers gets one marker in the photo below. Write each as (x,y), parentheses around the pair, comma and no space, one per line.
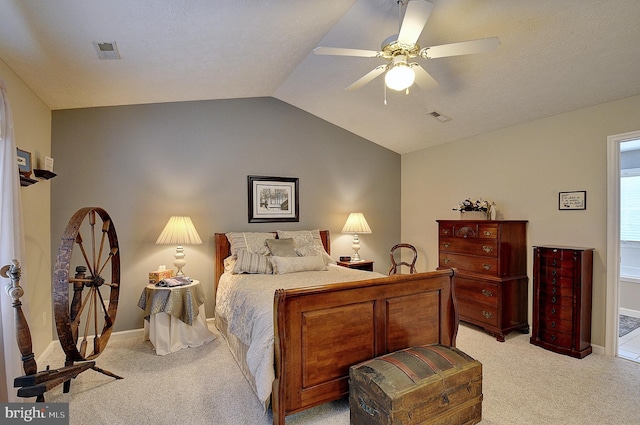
(492,283)
(562,279)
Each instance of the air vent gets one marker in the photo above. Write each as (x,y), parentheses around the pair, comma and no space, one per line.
(107,50)
(437,115)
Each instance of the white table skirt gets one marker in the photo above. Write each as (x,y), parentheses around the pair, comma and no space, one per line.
(169,334)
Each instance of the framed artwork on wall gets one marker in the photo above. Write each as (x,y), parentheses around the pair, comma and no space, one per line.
(273,199)
(576,200)
(24,163)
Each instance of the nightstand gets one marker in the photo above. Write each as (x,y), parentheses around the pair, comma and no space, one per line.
(359,265)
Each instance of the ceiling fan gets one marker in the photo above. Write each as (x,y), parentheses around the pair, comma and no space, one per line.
(401,48)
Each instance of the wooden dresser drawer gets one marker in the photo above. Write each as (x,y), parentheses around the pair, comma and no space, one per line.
(551,272)
(487,248)
(479,312)
(560,339)
(566,254)
(564,263)
(481,265)
(556,311)
(488,231)
(556,290)
(481,291)
(557,325)
(550,280)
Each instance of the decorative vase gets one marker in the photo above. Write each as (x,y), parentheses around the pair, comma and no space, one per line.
(473,215)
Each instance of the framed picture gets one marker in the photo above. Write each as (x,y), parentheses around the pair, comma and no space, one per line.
(24,163)
(576,200)
(273,199)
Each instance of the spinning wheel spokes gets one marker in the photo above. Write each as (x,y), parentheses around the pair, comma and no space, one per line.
(79,322)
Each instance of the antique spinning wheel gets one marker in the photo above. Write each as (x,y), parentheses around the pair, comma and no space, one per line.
(86,284)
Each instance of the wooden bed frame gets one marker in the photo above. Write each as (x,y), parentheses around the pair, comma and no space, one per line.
(321,331)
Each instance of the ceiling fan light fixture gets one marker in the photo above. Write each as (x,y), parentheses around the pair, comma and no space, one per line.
(400,76)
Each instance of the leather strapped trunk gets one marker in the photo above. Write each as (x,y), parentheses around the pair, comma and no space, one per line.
(426,385)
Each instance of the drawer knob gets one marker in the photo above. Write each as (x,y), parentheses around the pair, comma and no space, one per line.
(487,314)
(553,324)
(446,245)
(446,260)
(487,233)
(487,248)
(553,310)
(555,262)
(553,281)
(486,266)
(554,272)
(553,337)
(445,231)
(554,299)
(554,290)
(487,293)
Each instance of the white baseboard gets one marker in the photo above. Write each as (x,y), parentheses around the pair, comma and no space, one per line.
(628,312)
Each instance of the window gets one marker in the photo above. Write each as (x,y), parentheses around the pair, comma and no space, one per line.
(630,205)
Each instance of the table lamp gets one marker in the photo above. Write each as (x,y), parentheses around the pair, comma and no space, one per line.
(179,231)
(356,224)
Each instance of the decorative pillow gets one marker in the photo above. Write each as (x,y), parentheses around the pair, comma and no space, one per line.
(253,242)
(229,263)
(284,265)
(249,262)
(307,243)
(281,247)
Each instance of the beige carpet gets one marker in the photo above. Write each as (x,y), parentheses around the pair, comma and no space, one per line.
(523,384)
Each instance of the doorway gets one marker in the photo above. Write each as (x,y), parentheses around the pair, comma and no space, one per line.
(619,282)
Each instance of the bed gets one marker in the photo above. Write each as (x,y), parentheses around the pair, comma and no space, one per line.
(317,332)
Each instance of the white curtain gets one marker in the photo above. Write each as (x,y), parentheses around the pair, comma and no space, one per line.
(11,246)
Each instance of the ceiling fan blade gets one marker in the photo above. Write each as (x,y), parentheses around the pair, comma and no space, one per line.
(415,18)
(339,51)
(423,78)
(482,45)
(367,78)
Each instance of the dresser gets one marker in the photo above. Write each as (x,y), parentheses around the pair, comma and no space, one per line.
(492,283)
(562,279)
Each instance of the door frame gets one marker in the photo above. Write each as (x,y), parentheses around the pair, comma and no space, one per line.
(613,238)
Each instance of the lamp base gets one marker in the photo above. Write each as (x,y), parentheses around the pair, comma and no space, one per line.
(179,261)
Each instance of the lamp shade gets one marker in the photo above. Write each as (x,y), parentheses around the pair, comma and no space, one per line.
(179,231)
(357,224)
(400,76)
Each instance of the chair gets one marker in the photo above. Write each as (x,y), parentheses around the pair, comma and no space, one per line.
(395,266)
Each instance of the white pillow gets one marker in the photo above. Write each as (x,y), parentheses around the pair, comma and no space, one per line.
(253,242)
(249,262)
(284,265)
(307,243)
(229,263)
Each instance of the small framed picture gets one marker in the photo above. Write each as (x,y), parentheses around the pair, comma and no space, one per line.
(273,199)
(24,163)
(48,163)
(576,200)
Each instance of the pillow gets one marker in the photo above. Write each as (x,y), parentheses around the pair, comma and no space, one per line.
(250,241)
(281,247)
(284,265)
(249,262)
(307,243)
(229,263)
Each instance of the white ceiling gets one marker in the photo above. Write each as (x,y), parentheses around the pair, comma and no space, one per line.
(555,56)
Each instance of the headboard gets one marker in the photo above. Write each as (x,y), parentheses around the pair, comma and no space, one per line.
(223,250)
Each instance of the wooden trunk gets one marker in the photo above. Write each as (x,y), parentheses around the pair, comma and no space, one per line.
(426,385)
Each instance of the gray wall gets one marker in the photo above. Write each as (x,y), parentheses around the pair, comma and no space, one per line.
(144,163)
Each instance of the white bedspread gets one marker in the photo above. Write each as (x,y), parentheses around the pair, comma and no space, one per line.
(245,301)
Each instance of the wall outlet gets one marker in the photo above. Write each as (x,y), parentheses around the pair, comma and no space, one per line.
(44,318)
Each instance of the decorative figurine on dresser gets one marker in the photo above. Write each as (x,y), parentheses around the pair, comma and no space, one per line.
(492,283)
(562,299)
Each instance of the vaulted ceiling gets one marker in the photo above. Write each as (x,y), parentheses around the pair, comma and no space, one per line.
(554,56)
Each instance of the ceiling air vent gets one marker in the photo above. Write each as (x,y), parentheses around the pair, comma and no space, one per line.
(107,50)
(439,116)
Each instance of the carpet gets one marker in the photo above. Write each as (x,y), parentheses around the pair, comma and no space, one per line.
(628,324)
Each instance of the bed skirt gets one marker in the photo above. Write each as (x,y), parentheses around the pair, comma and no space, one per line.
(239,351)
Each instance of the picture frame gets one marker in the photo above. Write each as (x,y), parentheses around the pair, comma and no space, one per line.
(273,199)
(24,162)
(574,200)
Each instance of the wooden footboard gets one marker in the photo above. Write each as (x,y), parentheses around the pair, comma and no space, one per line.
(321,331)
